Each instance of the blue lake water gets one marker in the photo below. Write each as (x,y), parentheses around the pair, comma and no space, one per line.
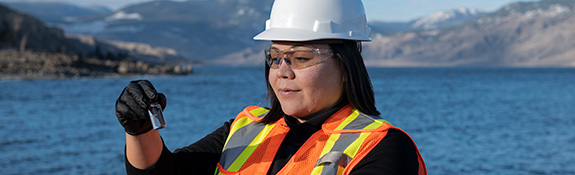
(464,121)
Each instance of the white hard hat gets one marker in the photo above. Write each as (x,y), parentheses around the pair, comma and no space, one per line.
(307,20)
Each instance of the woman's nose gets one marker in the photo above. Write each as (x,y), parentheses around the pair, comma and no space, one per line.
(284,70)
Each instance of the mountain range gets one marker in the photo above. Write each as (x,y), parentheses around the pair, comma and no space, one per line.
(25,32)
(436,20)
(57,12)
(30,49)
(198,30)
(220,31)
(520,34)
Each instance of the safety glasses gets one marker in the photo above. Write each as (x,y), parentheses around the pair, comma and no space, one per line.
(296,58)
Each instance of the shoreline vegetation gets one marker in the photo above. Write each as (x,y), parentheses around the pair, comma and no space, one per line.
(41,65)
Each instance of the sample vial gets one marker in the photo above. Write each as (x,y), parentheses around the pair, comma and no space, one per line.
(156,116)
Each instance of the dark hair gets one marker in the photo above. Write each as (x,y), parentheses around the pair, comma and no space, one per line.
(358,91)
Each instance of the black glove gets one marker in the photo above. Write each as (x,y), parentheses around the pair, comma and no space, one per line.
(133,104)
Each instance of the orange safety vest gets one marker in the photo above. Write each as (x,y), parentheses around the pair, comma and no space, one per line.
(344,140)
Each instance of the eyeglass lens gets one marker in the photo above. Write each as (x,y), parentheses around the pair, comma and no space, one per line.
(295,59)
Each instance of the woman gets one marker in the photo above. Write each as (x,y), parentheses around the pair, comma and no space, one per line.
(322,118)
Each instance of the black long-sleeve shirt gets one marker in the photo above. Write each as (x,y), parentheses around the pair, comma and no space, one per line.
(395,154)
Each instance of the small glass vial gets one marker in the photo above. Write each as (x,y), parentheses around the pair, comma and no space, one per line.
(156,116)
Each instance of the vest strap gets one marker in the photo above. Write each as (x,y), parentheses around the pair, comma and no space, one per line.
(337,157)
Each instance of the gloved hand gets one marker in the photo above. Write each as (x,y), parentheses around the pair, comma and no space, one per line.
(133,104)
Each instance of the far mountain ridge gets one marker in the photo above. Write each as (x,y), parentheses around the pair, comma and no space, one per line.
(221,31)
(198,30)
(435,20)
(57,12)
(447,18)
(519,34)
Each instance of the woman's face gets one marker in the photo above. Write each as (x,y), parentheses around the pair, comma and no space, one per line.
(306,90)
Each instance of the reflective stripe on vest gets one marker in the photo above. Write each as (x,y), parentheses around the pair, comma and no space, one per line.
(345,138)
(332,159)
(243,130)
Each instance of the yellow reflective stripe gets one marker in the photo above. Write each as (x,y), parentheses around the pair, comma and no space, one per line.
(347,120)
(243,157)
(328,146)
(240,123)
(258,111)
(317,170)
(352,149)
(384,121)
(244,121)
(374,125)
(333,138)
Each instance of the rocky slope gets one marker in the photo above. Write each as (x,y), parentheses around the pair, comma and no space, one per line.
(24,32)
(138,51)
(29,49)
(521,34)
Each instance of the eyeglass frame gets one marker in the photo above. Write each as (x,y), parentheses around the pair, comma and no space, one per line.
(288,61)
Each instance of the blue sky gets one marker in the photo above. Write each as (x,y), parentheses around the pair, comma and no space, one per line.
(380,10)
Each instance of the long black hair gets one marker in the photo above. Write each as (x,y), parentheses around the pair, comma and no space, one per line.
(358,91)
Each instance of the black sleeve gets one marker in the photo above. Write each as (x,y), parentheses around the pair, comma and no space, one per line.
(395,154)
(198,158)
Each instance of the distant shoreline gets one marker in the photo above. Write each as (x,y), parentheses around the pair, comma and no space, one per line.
(36,65)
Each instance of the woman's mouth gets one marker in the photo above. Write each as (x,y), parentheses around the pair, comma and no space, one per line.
(287,92)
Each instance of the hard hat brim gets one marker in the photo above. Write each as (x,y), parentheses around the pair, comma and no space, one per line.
(290,34)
